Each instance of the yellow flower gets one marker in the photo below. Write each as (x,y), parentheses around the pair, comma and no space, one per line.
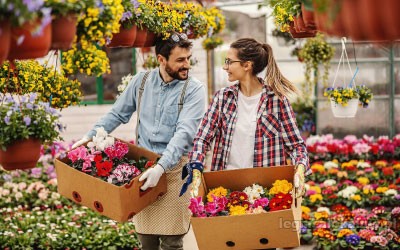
(305,209)
(344,232)
(315,197)
(237,210)
(363,180)
(356,197)
(281,186)
(381,189)
(218,192)
(321,215)
(317,189)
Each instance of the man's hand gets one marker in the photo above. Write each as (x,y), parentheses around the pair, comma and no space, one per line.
(189,170)
(152,175)
(299,180)
(194,189)
(80,142)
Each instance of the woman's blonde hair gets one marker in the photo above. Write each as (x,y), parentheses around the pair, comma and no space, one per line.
(262,57)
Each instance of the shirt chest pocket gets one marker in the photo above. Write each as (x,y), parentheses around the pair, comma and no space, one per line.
(270,125)
(170,115)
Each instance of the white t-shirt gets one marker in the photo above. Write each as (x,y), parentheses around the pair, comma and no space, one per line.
(242,148)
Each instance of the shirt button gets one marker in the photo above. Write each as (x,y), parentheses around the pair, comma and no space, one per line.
(154,134)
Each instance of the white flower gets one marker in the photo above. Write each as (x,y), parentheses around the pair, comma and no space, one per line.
(348,192)
(391,192)
(330,164)
(363,164)
(18,195)
(124,82)
(324,209)
(329,182)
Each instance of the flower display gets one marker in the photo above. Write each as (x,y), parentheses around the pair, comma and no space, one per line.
(212,42)
(30,76)
(27,117)
(342,95)
(105,158)
(96,25)
(283,12)
(124,82)
(316,51)
(251,200)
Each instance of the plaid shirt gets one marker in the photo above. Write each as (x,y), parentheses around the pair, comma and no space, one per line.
(276,136)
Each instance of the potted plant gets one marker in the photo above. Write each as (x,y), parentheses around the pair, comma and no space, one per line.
(25,123)
(97,23)
(127,31)
(50,85)
(345,100)
(284,12)
(212,42)
(64,21)
(316,51)
(150,62)
(194,23)
(30,28)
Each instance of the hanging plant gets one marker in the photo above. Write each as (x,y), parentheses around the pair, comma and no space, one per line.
(30,76)
(316,51)
(212,42)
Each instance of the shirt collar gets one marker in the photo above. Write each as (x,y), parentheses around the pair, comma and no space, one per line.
(161,81)
(267,90)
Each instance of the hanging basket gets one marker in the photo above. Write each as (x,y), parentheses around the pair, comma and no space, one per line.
(150,39)
(125,38)
(348,111)
(4,40)
(22,154)
(141,35)
(63,29)
(31,46)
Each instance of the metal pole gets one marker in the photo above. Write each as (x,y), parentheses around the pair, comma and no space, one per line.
(210,74)
(392,94)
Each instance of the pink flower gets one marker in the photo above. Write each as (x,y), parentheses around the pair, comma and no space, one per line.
(78,153)
(261,202)
(361,147)
(379,239)
(118,150)
(197,207)
(350,139)
(360,220)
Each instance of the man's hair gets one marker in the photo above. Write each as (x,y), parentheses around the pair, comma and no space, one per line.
(164,46)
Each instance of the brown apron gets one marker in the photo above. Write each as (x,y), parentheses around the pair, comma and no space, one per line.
(169,215)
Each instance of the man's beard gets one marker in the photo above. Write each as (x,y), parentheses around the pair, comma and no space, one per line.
(175,74)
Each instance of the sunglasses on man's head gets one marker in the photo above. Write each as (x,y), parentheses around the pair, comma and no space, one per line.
(176,37)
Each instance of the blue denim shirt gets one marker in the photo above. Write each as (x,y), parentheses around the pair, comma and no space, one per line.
(160,129)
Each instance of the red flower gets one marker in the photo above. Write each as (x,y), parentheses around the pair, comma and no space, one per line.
(387,171)
(98,158)
(149,164)
(281,201)
(104,168)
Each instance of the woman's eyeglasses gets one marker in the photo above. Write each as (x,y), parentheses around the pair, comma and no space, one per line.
(229,61)
(176,37)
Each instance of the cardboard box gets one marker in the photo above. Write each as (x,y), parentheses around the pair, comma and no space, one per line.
(251,231)
(119,203)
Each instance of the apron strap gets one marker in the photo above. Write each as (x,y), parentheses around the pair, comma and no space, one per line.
(141,89)
(183,92)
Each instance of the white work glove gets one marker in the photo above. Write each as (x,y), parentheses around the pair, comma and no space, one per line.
(194,189)
(80,142)
(299,180)
(152,175)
